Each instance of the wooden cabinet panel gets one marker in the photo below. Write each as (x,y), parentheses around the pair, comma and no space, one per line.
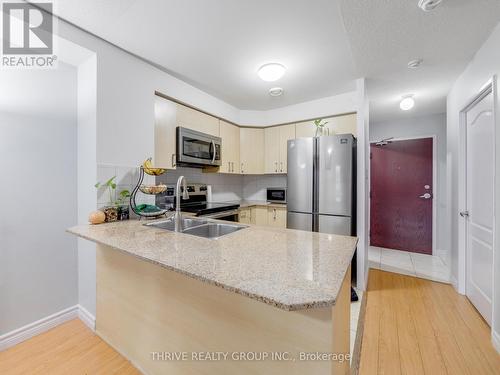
(230,135)
(305,129)
(272,150)
(165,124)
(259,215)
(345,124)
(245,215)
(276,139)
(276,217)
(193,119)
(252,151)
(287,132)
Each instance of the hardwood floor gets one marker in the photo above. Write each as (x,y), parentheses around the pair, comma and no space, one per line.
(70,348)
(416,326)
(412,326)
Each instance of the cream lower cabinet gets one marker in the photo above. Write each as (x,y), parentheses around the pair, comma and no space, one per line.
(251,151)
(230,135)
(245,215)
(263,215)
(276,139)
(345,124)
(253,215)
(276,217)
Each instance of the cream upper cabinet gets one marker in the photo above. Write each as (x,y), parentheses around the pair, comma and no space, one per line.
(165,124)
(199,121)
(276,139)
(272,150)
(251,151)
(287,132)
(276,217)
(345,124)
(230,135)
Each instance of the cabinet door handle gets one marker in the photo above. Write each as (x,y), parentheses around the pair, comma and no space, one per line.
(281,166)
(274,213)
(232,166)
(276,166)
(173,160)
(241,167)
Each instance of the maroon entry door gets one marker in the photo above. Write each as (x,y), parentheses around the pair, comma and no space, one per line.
(401,195)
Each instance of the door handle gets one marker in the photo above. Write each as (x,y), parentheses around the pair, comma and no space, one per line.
(213,157)
(242,168)
(173,160)
(276,166)
(281,166)
(464,213)
(426,196)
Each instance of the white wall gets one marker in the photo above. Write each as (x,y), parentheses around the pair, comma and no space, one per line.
(324,107)
(432,125)
(38,135)
(482,68)
(87,116)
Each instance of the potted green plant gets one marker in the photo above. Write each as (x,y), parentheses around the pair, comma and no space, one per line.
(320,126)
(117,209)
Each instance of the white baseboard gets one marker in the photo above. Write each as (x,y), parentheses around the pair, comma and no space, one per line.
(30,330)
(495,339)
(21,334)
(87,318)
(454,283)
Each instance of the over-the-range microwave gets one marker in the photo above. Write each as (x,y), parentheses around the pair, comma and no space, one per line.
(197,149)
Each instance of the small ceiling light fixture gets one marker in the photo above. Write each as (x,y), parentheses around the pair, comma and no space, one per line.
(428,5)
(271,72)
(407,102)
(414,64)
(276,91)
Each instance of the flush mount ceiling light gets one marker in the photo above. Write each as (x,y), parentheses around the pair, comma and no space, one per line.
(428,5)
(407,102)
(414,64)
(271,72)
(276,91)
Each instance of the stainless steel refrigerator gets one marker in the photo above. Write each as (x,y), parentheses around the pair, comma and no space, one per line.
(321,184)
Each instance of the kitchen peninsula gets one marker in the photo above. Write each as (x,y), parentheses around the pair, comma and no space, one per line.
(163,296)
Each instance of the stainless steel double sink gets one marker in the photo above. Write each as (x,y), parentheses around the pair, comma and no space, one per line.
(198,227)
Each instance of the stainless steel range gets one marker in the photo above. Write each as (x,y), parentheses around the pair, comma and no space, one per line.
(197,203)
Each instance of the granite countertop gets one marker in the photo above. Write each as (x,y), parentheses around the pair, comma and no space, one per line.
(249,203)
(289,269)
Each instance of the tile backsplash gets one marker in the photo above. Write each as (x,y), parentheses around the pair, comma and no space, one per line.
(126,179)
(225,187)
(254,186)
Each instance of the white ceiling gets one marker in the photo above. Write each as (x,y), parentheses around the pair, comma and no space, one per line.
(386,34)
(217,46)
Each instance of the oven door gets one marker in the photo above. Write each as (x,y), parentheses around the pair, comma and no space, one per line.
(231,215)
(196,148)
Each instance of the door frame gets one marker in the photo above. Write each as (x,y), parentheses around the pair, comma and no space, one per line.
(489,87)
(435,193)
